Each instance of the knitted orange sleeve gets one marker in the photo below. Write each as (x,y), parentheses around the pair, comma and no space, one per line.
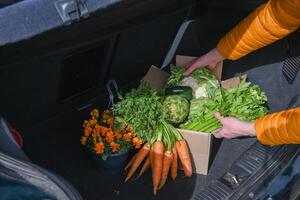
(279,128)
(268,23)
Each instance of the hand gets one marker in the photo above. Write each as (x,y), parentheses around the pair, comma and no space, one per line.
(233,128)
(210,59)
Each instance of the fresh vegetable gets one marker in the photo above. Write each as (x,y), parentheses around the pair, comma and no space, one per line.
(176,75)
(158,149)
(130,163)
(151,117)
(184,156)
(146,166)
(174,164)
(160,156)
(207,83)
(151,157)
(207,123)
(166,167)
(183,91)
(138,160)
(141,109)
(245,102)
(202,81)
(181,148)
(177,108)
(201,117)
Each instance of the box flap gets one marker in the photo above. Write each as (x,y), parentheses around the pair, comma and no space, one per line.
(184,60)
(232,82)
(156,77)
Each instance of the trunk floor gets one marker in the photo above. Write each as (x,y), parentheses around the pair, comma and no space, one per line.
(55,145)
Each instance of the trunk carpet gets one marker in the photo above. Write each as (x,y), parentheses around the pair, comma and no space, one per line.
(55,145)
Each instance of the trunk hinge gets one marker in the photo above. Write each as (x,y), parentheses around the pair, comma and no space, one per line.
(71,10)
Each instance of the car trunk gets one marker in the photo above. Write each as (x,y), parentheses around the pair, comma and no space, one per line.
(50,82)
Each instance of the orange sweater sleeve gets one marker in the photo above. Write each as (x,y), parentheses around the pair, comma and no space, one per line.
(279,128)
(268,23)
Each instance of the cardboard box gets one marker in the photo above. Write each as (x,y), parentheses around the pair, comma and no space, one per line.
(199,143)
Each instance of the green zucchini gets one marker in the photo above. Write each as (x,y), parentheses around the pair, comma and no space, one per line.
(183,91)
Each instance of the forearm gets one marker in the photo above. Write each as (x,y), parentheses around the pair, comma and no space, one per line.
(268,23)
(279,128)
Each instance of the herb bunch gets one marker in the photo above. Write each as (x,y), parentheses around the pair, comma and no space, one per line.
(141,109)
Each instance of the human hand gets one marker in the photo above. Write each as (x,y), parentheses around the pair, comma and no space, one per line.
(210,59)
(233,128)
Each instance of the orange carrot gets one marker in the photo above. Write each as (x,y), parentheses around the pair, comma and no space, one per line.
(174,165)
(141,155)
(157,160)
(146,166)
(184,156)
(166,167)
(129,163)
(151,157)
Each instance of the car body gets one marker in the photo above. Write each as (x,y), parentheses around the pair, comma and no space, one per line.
(56,56)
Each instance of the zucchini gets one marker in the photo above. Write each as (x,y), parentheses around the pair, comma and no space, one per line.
(183,91)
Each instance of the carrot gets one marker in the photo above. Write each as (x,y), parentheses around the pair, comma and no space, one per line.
(184,156)
(166,167)
(151,157)
(129,163)
(174,164)
(138,160)
(146,166)
(157,161)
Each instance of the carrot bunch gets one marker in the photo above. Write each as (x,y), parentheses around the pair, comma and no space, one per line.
(161,155)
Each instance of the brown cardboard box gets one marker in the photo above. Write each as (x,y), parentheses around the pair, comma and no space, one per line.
(199,143)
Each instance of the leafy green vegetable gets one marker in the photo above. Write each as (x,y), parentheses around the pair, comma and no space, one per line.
(141,109)
(245,102)
(176,75)
(202,106)
(202,81)
(205,123)
(204,75)
(207,80)
(201,116)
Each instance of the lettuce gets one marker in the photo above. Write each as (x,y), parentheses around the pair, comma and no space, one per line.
(202,81)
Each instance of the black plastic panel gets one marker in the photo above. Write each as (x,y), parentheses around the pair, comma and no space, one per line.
(34,82)
(81,70)
(217,191)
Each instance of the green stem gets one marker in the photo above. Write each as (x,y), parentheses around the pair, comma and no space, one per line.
(174,131)
(201,125)
(212,127)
(159,133)
(169,145)
(166,138)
